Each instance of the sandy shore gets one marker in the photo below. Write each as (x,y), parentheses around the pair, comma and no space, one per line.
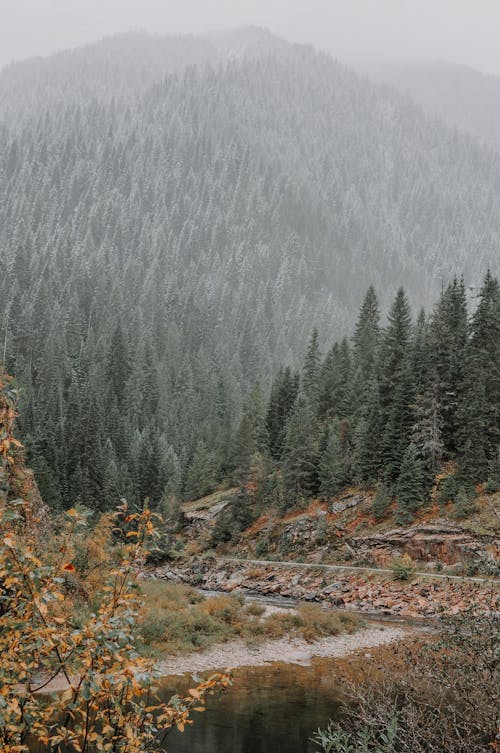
(290,650)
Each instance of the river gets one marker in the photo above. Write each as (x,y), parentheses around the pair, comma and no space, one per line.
(270,709)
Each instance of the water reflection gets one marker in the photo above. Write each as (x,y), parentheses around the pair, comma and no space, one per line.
(271,709)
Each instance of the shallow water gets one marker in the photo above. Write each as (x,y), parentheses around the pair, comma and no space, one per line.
(270,709)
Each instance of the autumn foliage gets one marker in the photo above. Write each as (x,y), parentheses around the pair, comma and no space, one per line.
(106,697)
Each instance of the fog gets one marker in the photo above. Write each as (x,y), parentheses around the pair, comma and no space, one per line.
(460,31)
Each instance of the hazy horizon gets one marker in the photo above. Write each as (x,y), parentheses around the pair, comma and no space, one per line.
(354,31)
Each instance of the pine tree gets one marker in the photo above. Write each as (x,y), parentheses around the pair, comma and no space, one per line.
(300,453)
(118,365)
(281,404)
(410,491)
(336,390)
(367,459)
(427,434)
(479,409)
(447,356)
(367,334)
(244,447)
(381,502)
(400,420)
(396,385)
(333,464)
(201,473)
(251,438)
(396,339)
(311,373)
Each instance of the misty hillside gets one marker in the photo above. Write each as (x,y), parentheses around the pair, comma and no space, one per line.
(168,236)
(462,97)
(124,66)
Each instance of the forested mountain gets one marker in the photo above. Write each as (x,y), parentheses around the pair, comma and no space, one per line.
(462,97)
(169,235)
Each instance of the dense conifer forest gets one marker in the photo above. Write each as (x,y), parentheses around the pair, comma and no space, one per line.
(388,408)
(178,215)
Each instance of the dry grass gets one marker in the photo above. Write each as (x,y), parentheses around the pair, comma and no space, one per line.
(179,619)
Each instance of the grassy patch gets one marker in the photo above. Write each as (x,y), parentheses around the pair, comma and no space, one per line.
(179,619)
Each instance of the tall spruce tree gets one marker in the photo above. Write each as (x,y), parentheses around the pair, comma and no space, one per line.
(367,458)
(397,385)
(281,403)
(410,489)
(335,459)
(447,357)
(367,334)
(201,473)
(300,452)
(479,409)
(311,371)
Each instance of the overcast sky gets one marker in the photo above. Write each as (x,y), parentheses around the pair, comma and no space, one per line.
(461,31)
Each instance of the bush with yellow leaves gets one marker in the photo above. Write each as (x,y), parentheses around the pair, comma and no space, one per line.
(106,699)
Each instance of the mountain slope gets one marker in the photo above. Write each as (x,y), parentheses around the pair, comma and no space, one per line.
(460,96)
(123,66)
(164,245)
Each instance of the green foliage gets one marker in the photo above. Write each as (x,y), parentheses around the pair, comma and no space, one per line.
(366,334)
(281,404)
(300,453)
(234,518)
(201,473)
(410,491)
(479,411)
(403,568)
(176,618)
(381,502)
(448,489)
(336,739)
(311,376)
(464,503)
(335,460)
(438,695)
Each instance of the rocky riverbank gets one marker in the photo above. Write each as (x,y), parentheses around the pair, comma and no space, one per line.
(290,650)
(369,592)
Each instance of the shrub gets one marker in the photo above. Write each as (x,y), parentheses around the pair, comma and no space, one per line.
(381,502)
(254,609)
(448,490)
(403,568)
(435,696)
(464,503)
(493,484)
(262,547)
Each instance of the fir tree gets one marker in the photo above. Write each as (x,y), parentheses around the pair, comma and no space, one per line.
(479,409)
(427,434)
(201,473)
(447,356)
(401,417)
(333,469)
(281,404)
(367,447)
(300,453)
(311,373)
(367,334)
(410,486)
(381,502)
